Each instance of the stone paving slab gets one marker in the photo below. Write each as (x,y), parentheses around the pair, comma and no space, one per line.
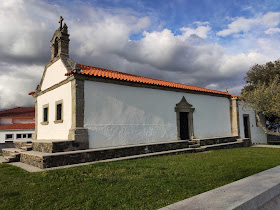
(258,191)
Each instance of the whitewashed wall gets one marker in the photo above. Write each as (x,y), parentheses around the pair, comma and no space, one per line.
(14,132)
(54,74)
(121,115)
(258,136)
(54,131)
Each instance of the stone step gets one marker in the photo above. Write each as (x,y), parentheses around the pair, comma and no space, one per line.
(216,140)
(27,148)
(194,146)
(11,151)
(49,160)
(21,143)
(15,158)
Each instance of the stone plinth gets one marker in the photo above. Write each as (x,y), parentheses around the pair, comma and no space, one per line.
(217,140)
(52,146)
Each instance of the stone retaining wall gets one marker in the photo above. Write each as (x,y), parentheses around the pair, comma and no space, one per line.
(272,139)
(218,140)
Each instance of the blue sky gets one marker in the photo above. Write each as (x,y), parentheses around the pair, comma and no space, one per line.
(206,43)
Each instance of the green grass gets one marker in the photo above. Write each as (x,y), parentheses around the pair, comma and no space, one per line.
(147,183)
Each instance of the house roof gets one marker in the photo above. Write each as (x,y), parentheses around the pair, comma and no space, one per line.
(115,75)
(18,112)
(18,126)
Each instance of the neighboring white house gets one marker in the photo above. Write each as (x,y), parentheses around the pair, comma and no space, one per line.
(103,108)
(17,124)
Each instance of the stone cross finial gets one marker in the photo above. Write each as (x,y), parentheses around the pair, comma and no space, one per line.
(60,22)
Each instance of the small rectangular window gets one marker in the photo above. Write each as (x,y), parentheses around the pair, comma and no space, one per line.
(24,136)
(9,136)
(46,114)
(18,136)
(30,135)
(58,111)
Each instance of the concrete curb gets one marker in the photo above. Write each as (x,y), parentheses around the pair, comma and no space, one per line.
(259,191)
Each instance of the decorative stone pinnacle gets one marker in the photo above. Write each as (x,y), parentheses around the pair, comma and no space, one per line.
(60,22)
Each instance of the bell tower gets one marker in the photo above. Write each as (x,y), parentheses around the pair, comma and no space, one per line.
(60,42)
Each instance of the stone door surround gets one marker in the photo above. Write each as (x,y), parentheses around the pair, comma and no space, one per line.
(184,106)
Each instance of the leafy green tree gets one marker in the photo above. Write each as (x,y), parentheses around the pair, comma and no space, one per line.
(262,92)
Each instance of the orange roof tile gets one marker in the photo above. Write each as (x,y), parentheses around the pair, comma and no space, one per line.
(110,74)
(18,112)
(18,126)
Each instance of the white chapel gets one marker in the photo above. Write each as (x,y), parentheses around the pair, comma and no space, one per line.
(94,109)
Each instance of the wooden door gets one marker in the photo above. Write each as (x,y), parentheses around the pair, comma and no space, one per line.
(246,122)
(184,126)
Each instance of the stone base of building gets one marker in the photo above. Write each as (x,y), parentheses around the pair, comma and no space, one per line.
(58,153)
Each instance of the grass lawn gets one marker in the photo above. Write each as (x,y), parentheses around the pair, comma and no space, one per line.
(147,183)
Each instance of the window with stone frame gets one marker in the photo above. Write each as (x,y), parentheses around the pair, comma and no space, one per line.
(29,135)
(19,136)
(58,111)
(45,117)
(46,114)
(9,136)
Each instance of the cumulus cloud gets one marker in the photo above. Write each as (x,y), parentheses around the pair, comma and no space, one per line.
(102,38)
(243,25)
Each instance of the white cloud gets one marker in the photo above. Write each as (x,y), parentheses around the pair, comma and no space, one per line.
(272,31)
(17,82)
(244,25)
(200,23)
(201,31)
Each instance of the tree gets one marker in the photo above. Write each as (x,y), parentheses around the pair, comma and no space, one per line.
(262,92)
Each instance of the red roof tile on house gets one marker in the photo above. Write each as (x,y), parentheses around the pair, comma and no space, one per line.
(19,112)
(18,126)
(105,73)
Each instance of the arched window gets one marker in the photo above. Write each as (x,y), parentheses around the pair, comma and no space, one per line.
(55,47)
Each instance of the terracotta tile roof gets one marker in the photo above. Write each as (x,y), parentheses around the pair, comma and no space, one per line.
(105,73)
(18,112)
(18,126)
